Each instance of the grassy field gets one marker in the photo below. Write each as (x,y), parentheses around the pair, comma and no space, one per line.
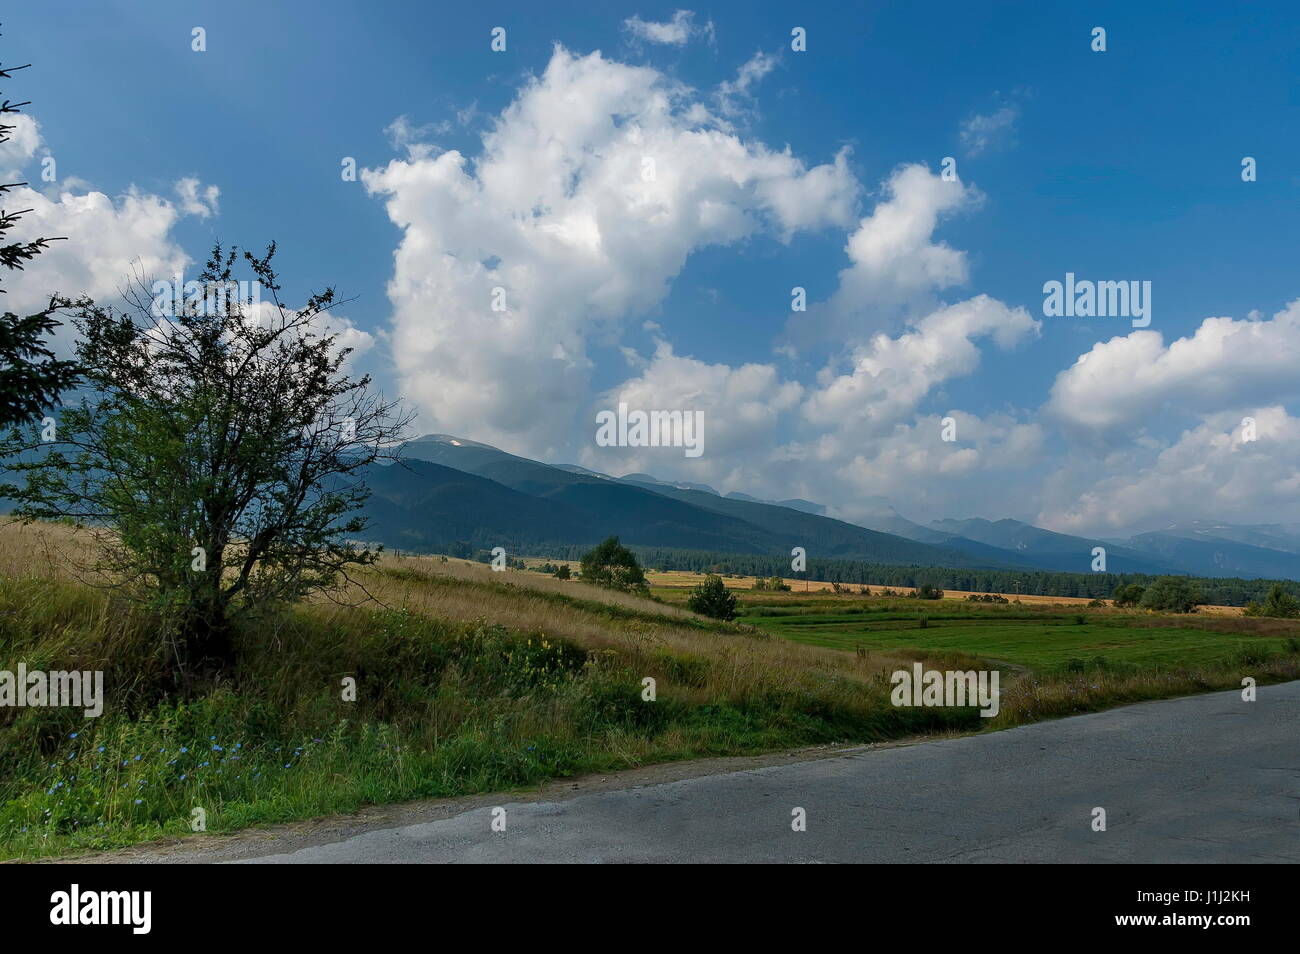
(1041,641)
(1046,634)
(669,582)
(469,680)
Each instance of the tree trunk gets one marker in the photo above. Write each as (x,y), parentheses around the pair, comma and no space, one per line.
(206,644)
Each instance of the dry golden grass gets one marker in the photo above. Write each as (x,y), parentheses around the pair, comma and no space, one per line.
(706,659)
(726,661)
(685,578)
(42,551)
(528,579)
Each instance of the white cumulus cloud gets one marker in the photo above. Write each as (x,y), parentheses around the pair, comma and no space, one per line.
(1210,471)
(591,191)
(1122,386)
(741,407)
(889,376)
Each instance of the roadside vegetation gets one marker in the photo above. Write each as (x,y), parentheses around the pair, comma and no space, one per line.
(467,680)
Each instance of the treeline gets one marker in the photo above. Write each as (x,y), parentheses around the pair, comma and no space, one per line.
(1227,592)
(1223,591)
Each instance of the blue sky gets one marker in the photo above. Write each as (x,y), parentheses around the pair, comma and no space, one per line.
(1115,165)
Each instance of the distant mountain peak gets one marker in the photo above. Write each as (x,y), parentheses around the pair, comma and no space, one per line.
(579,469)
(639,478)
(450,439)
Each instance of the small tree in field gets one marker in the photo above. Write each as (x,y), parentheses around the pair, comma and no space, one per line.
(1129,594)
(613,565)
(712,598)
(1172,594)
(217,455)
(1278,604)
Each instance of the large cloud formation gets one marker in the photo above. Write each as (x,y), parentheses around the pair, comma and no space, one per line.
(598,182)
(591,191)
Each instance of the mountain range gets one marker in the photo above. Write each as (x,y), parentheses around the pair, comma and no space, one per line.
(450,490)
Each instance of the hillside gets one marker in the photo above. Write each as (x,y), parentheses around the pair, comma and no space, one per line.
(1218,556)
(1054,551)
(651,514)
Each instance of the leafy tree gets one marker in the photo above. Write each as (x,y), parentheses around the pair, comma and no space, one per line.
(1128,594)
(1172,594)
(927,592)
(562,572)
(712,598)
(31,379)
(1278,604)
(613,565)
(217,455)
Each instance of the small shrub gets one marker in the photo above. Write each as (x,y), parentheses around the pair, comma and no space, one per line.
(1278,604)
(711,598)
(614,566)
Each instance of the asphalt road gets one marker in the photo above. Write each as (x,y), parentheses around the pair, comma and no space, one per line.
(1208,778)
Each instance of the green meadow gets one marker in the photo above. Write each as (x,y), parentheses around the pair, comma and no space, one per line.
(1039,641)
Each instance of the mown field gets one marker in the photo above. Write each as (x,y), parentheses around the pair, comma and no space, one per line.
(1044,640)
(469,680)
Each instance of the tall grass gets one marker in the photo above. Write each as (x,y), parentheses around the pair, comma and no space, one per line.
(466,680)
